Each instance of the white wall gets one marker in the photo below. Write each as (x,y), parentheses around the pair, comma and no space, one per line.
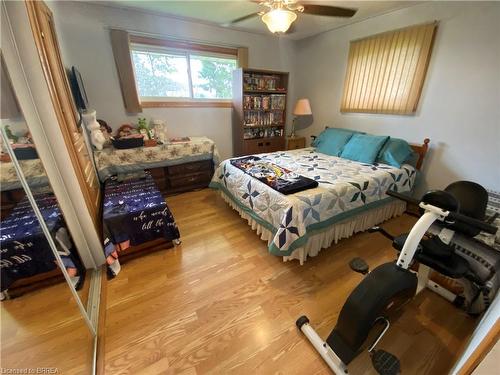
(459,108)
(85,42)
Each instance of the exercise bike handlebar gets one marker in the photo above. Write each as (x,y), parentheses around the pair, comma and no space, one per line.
(455,216)
(485,227)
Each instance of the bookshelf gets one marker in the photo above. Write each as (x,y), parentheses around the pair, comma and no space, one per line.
(259,111)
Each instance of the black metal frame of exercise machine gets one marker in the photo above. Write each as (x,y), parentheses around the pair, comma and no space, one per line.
(385,290)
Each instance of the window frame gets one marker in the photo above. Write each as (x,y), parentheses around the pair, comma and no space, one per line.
(147,44)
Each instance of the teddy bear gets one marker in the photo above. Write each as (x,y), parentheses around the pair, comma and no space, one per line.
(96,136)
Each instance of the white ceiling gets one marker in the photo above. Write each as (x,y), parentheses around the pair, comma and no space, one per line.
(222,12)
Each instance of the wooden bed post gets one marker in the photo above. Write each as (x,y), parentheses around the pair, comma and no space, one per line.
(421,150)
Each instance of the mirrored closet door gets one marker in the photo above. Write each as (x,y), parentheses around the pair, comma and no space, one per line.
(45,286)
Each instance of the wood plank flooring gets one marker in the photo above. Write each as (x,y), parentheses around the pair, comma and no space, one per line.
(220,304)
(44,329)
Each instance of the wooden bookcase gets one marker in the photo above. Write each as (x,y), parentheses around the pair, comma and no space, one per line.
(259,111)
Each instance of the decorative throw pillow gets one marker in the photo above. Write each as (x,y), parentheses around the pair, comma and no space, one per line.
(412,159)
(315,142)
(363,148)
(332,141)
(395,152)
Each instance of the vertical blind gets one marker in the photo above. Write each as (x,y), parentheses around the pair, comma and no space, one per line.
(120,43)
(385,72)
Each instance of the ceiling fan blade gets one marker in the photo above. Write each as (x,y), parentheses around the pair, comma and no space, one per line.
(329,11)
(244,18)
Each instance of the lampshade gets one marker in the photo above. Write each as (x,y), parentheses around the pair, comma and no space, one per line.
(279,20)
(302,108)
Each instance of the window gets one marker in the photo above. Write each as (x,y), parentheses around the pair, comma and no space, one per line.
(385,72)
(161,75)
(167,73)
(212,77)
(156,72)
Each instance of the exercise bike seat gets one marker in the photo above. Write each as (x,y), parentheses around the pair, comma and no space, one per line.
(437,255)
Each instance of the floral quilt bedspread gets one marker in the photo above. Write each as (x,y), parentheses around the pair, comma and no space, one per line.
(33,172)
(111,161)
(345,188)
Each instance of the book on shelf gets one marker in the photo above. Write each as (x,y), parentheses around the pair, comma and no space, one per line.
(259,118)
(264,102)
(261,82)
(262,133)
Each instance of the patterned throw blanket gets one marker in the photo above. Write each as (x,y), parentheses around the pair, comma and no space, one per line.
(278,178)
(25,251)
(134,212)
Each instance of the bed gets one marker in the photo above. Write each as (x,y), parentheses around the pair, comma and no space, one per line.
(135,218)
(26,256)
(350,198)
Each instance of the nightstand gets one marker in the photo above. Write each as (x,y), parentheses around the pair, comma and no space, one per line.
(295,143)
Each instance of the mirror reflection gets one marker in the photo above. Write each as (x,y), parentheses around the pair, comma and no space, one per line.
(38,310)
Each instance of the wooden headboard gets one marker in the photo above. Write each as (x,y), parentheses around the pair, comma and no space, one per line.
(421,150)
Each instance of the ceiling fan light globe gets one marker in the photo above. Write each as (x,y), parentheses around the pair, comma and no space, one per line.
(279,20)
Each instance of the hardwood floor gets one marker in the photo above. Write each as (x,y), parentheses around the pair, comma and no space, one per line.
(220,304)
(44,329)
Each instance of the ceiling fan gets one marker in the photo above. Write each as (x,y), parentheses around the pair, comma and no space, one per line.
(280,14)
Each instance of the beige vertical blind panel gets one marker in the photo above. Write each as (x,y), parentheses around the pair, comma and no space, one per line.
(120,42)
(385,72)
(243,57)
(9,108)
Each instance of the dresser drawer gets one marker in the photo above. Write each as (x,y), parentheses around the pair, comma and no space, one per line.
(193,179)
(296,143)
(188,168)
(157,173)
(258,146)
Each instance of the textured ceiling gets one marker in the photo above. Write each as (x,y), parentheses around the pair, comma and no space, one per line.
(222,12)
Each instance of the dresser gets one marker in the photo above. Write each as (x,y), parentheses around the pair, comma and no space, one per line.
(176,167)
(183,177)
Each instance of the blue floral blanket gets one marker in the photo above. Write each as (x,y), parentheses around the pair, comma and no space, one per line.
(345,188)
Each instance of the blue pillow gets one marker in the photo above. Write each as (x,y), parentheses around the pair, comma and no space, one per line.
(316,142)
(412,159)
(332,141)
(395,152)
(363,147)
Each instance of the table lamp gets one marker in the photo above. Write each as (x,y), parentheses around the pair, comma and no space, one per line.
(302,108)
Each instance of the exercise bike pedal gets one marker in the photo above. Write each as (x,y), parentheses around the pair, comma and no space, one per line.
(359,265)
(385,363)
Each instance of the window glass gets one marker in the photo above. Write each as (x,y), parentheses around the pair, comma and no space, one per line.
(182,74)
(212,76)
(161,74)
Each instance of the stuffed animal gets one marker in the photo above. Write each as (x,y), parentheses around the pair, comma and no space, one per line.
(96,136)
(106,131)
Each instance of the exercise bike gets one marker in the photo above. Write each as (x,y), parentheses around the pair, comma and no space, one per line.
(385,290)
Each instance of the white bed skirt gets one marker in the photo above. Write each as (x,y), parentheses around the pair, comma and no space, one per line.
(324,238)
